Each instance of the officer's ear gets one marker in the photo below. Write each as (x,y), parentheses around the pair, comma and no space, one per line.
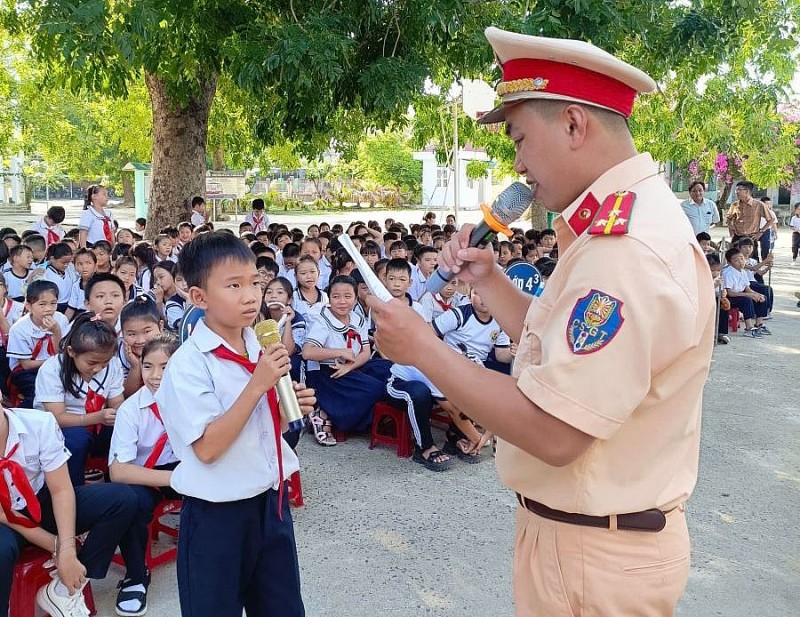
(576,121)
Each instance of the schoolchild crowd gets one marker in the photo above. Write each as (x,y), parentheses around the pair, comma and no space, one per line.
(143,353)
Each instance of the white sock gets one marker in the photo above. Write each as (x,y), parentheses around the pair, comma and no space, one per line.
(61,589)
(132,605)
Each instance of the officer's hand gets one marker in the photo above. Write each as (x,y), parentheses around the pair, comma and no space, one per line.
(470,264)
(401,333)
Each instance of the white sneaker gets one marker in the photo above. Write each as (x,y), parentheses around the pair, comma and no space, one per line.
(61,606)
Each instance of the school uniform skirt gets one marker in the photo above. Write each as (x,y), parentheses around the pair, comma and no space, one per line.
(349,400)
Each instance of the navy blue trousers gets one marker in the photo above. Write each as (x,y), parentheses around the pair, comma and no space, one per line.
(25,382)
(238,555)
(106,511)
(416,398)
(81,442)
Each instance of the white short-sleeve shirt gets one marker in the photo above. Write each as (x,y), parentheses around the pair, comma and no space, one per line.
(436,305)
(197,388)
(108,383)
(63,281)
(735,280)
(258,222)
(16,285)
(41,449)
(92,222)
(42,228)
(197,219)
(309,310)
(418,282)
(136,431)
(462,330)
(77,299)
(12,310)
(328,332)
(23,336)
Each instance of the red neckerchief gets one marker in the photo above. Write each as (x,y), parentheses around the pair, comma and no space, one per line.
(94,403)
(52,237)
(37,348)
(161,442)
(108,230)
(20,481)
(445,305)
(223,353)
(257,220)
(352,335)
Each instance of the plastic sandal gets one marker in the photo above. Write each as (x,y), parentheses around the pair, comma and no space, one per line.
(318,424)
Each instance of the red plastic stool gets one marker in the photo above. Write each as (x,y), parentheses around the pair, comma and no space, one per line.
(733,320)
(295,490)
(441,417)
(156,526)
(30,574)
(339,436)
(402,437)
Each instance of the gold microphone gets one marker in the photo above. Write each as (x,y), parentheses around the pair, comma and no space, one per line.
(268,333)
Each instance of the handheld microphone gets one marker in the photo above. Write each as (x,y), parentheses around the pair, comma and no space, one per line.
(507,208)
(268,333)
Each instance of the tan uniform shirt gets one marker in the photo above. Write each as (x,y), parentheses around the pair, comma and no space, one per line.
(745,220)
(634,382)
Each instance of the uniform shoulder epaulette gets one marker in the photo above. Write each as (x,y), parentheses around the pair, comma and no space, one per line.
(614,215)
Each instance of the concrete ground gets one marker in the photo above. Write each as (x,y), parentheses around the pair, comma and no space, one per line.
(381,535)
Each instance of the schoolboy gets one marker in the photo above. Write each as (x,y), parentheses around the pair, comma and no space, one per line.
(257,219)
(742,297)
(49,226)
(704,240)
(398,250)
(398,282)
(38,247)
(34,337)
(427,256)
(21,259)
(198,211)
(140,225)
(218,406)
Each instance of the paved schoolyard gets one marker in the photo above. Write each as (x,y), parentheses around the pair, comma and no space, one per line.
(381,536)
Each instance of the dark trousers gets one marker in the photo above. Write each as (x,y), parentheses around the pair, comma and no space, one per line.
(765,243)
(82,441)
(766,291)
(416,398)
(106,511)
(795,244)
(749,309)
(722,327)
(5,372)
(238,555)
(25,383)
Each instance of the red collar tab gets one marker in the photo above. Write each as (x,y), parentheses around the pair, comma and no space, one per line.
(583,216)
(558,78)
(614,215)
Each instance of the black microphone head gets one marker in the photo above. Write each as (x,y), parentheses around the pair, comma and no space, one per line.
(512,203)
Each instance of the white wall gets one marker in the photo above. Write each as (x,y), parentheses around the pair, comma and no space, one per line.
(470,197)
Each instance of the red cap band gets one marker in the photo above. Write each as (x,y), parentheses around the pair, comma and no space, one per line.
(573,81)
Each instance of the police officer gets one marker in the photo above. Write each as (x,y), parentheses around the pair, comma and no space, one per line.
(600,437)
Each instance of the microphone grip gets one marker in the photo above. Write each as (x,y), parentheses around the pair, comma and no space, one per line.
(290,407)
(479,238)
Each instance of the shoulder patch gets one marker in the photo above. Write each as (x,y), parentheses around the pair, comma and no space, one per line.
(595,320)
(614,215)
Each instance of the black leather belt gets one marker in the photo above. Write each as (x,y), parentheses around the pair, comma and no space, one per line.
(653,520)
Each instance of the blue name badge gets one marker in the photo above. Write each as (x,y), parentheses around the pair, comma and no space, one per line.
(527,277)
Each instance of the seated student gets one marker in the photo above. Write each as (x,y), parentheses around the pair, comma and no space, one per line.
(290,254)
(162,248)
(246,232)
(742,297)
(704,240)
(505,253)
(34,337)
(722,294)
(139,225)
(103,250)
(85,263)
(46,511)
(267,270)
(21,259)
(184,235)
(472,330)
(10,313)
(308,299)
(140,322)
(82,388)
(169,301)
(49,226)
(547,242)
(125,269)
(125,236)
(278,302)
(59,256)
(312,247)
(347,382)
(141,457)
(427,257)
(39,249)
(257,219)
(398,250)
(104,297)
(438,303)
(145,258)
(398,282)
(234,463)
(755,273)
(371,252)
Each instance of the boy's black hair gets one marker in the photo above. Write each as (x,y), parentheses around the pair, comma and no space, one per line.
(197,200)
(731,253)
(169,230)
(745,242)
(58,250)
(506,244)
(290,250)
(86,334)
(27,234)
(269,264)
(208,251)
(100,277)
(397,264)
(262,234)
(16,250)
(424,249)
(73,233)
(249,238)
(120,250)
(141,307)
(343,279)
(258,204)
(381,263)
(4,252)
(545,266)
(244,224)
(169,266)
(703,237)
(371,248)
(745,184)
(312,241)
(56,214)
(142,221)
(390,236)
(14,237)
(258,247)
(166,342)
(103,244)
(36,289)
(5,231)
(449,229)
(695,183)
(713,259)
(36,242)
(337,228)
(280,234)
(547,232)
(396,245)
(297,235)
(84,251)
(411,242)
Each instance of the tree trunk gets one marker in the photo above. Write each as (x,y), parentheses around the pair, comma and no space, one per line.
(218,159)
(179,153)
(128,197)
(538,216)
(722,200)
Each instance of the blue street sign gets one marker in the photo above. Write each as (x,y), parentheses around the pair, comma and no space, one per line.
(526,277)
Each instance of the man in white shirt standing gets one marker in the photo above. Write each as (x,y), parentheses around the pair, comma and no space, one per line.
(701,212)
